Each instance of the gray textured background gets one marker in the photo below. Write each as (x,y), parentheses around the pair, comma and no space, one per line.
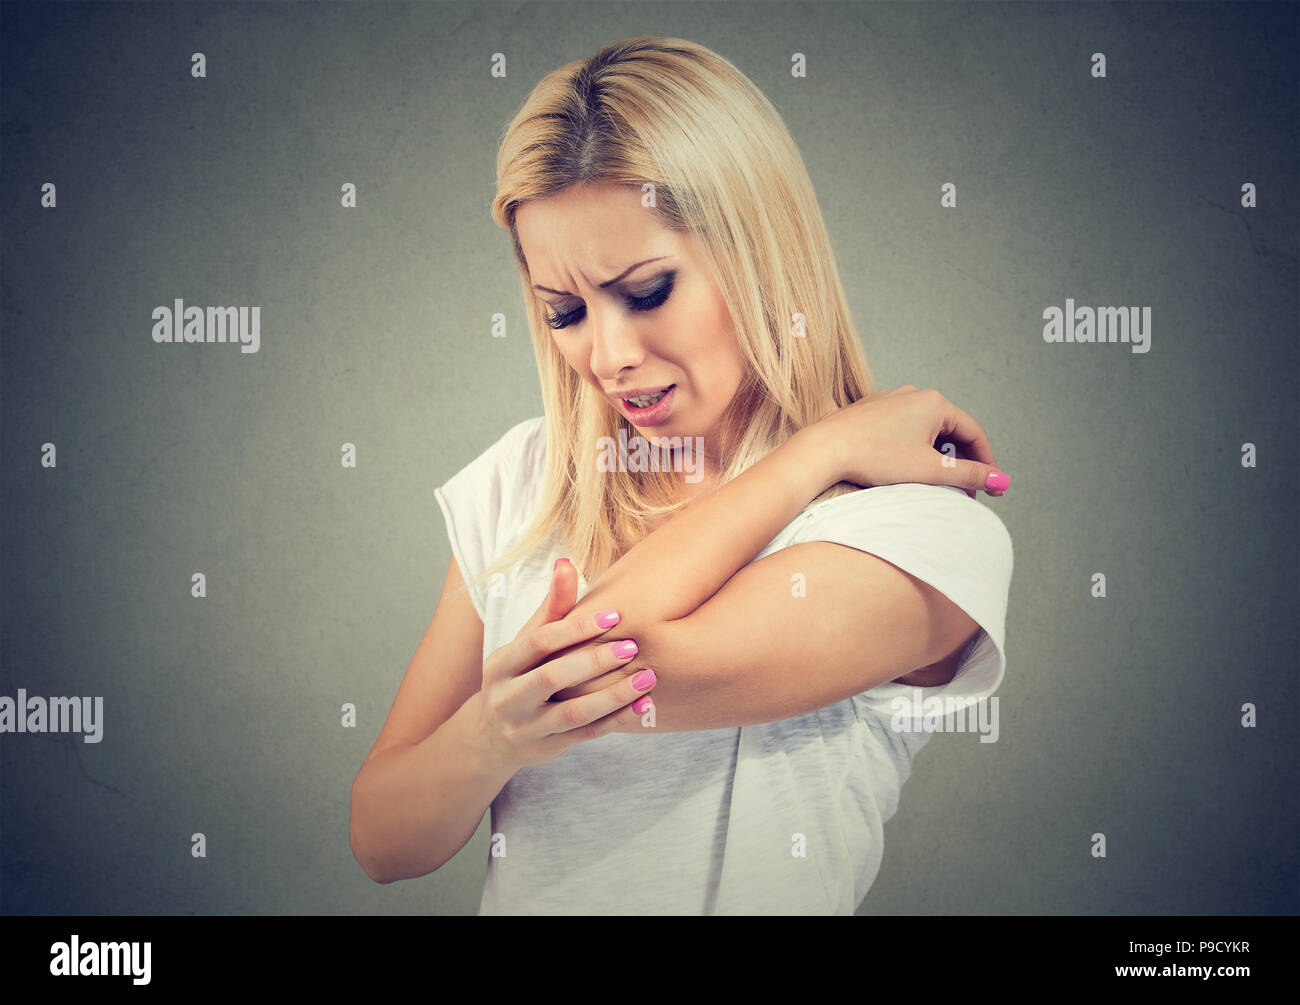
(1118,715)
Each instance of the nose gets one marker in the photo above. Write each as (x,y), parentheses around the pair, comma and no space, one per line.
(615,345)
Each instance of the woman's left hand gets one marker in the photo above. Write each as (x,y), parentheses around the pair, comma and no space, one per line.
(892,436)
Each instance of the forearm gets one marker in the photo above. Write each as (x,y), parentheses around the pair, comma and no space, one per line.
(414,807)
(675,569)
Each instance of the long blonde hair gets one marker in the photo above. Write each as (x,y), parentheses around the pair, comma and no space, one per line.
(672,114)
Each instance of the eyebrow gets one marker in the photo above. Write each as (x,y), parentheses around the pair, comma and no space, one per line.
(607,282)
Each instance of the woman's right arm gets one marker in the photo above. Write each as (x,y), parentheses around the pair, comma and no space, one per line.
(460,727)
(423,789)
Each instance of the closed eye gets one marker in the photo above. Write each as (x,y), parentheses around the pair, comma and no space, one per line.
(648,302)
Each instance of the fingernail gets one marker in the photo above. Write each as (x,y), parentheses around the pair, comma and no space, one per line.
(644,680)
(557,563)
(997,481)
(625,650)
(607,619)
(641,704)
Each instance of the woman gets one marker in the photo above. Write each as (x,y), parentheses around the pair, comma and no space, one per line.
(743,753)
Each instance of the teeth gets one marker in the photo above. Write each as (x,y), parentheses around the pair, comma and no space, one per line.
(646,399)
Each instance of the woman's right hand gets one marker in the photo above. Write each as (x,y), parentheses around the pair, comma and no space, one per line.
(516,722)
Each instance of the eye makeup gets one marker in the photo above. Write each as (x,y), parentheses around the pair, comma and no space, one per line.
(654,297)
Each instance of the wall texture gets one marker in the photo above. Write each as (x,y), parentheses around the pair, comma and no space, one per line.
(1119,715)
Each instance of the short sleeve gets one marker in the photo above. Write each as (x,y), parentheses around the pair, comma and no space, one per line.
(941,536)
(484,502)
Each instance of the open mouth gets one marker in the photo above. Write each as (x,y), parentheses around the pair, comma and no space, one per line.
(657,407)
(647,400)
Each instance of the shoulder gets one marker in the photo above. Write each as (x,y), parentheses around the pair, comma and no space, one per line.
(953,543)
(935,533)
(527,433)
(499,480)
(519,448)
(520,440)
(491,497)
(524,457)
(909,511)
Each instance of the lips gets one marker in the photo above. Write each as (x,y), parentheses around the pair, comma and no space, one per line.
(639,392)
(652,414)
(646,400)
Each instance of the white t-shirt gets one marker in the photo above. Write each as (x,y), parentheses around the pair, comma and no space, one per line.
(781,817)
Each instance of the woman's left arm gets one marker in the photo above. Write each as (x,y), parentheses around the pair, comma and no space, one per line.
(730,641)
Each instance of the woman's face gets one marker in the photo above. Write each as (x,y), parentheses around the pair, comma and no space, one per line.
(633,307)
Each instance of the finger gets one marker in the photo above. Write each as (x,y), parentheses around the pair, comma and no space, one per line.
(981,472)
(561,597)
(538,685)
(952,452)
(576,713)
(991,469)
(537,645)
(559,600)
(956,423)
(627,715)
(970,476)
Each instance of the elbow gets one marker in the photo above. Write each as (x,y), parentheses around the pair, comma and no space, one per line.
(363,849)
(690,673)
(380,878)
(375,867)
(380,862)
(372,868)
(383,874)
(361,852)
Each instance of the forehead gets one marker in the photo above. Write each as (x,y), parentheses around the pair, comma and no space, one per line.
(596,229)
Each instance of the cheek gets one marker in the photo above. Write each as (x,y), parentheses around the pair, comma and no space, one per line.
(728,355)
(573,356)
(705,328)
(725,335)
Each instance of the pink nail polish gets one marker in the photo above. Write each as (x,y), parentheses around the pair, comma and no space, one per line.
(641,704)
(557,563)
(644,680)
(997,481)
(607,619)
(625,650)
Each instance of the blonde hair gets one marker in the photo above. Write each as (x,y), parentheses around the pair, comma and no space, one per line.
(672,114)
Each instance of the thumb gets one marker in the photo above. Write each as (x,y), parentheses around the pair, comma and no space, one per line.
(564,590)
(561,597)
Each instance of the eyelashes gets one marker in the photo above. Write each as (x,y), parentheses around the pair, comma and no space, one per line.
(655,298)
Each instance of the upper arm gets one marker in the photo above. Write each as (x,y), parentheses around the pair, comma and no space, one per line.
(446,670)
(798,630)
